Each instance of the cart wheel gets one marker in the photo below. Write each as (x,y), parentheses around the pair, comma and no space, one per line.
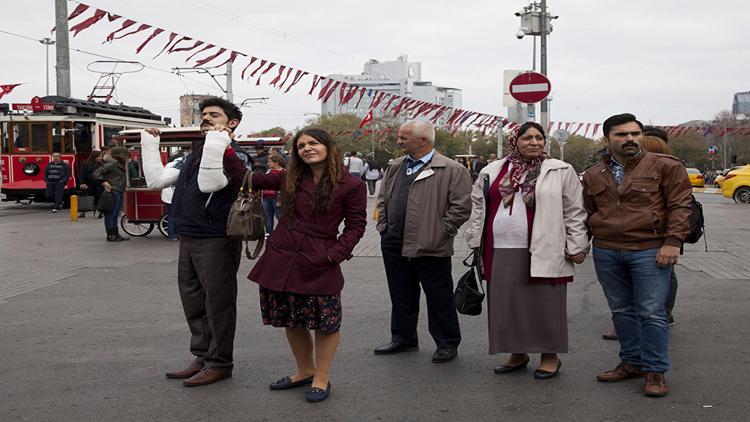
(135,229)
(163,226)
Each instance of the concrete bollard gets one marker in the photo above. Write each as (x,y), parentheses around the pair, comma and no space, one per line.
(73,208)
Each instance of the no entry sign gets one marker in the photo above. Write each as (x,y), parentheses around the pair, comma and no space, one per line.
(530,87)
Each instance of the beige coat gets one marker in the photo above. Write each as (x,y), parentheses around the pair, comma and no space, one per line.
(439,203)
(559,217)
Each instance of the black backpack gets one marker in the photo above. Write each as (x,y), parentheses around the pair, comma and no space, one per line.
(697,228)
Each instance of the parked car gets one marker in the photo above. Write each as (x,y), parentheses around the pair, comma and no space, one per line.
(722,174)
(696,177)
(736,185)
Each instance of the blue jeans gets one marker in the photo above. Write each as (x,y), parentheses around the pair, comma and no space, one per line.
(636,290)
(270,210)
(110,218)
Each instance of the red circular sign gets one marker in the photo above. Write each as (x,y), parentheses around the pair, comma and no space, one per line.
(530,87)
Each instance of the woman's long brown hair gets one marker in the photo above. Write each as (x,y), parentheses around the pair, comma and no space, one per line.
(297,169)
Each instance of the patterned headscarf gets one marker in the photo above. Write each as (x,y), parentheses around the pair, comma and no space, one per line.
(511,181)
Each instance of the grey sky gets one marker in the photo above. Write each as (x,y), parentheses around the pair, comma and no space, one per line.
(666,61)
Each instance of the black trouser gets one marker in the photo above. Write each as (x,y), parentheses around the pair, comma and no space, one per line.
(54,193)
(371,186)
(207,280)
(672,292)
(404,277)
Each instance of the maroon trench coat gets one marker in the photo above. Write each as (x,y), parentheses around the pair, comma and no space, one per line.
(303,254)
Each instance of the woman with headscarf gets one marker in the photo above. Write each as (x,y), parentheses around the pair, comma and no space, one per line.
(112,175)
(527,229)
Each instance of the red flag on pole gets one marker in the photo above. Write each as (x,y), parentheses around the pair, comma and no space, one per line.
(366,120)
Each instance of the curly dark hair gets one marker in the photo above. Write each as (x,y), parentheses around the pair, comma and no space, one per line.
(230,109)
(297,169)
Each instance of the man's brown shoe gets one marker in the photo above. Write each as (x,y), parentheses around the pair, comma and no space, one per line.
(207,376)
(188,372)
(622,372)
(656,385)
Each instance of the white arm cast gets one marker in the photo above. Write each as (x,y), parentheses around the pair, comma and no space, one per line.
(211,177)
(157,177)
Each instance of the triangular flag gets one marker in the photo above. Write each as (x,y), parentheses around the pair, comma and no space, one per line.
(367,119)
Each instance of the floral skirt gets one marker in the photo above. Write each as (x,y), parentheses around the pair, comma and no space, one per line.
(289,310)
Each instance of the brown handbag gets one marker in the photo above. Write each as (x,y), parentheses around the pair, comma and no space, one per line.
(246,220)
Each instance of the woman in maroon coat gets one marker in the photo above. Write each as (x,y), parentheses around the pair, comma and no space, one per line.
(299,274)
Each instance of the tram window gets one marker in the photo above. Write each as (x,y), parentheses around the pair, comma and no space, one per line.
(4,141)
(83,137)
(61,137)
(40,137)
(21,137)
(109,133)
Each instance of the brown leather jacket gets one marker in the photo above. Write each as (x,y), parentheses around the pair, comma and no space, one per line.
(652,207)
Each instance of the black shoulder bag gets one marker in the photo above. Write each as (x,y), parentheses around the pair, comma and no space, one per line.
(468,298)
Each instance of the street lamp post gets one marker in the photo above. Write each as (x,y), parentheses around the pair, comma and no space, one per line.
(535,21)
(47,42)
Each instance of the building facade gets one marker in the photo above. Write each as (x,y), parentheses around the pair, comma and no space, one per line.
(190,114)
(741,103)
(399,77)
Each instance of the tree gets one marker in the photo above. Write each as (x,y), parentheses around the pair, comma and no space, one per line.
(691,148)
(579,151)
(272,132)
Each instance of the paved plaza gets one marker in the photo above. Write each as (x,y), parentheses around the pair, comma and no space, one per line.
(89,328)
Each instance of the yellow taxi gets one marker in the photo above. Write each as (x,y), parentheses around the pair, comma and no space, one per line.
(736,185)
(696,177)
(720,178)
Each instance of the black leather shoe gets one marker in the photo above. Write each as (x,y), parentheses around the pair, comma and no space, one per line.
(287,383)
(543,375)
(504,369)
(395,347)
(317,395)
(444,354)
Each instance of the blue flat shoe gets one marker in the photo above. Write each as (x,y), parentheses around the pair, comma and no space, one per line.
(287,383)
(541,374)
(316,395)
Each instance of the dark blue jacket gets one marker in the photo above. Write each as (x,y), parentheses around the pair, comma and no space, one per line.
(201,214)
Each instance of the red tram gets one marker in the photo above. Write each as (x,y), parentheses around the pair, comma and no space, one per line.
(30,133)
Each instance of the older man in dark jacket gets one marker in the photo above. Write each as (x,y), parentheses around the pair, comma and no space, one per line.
(638,204)
(424,199)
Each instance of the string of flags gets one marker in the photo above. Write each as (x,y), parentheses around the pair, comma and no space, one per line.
(282,77)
